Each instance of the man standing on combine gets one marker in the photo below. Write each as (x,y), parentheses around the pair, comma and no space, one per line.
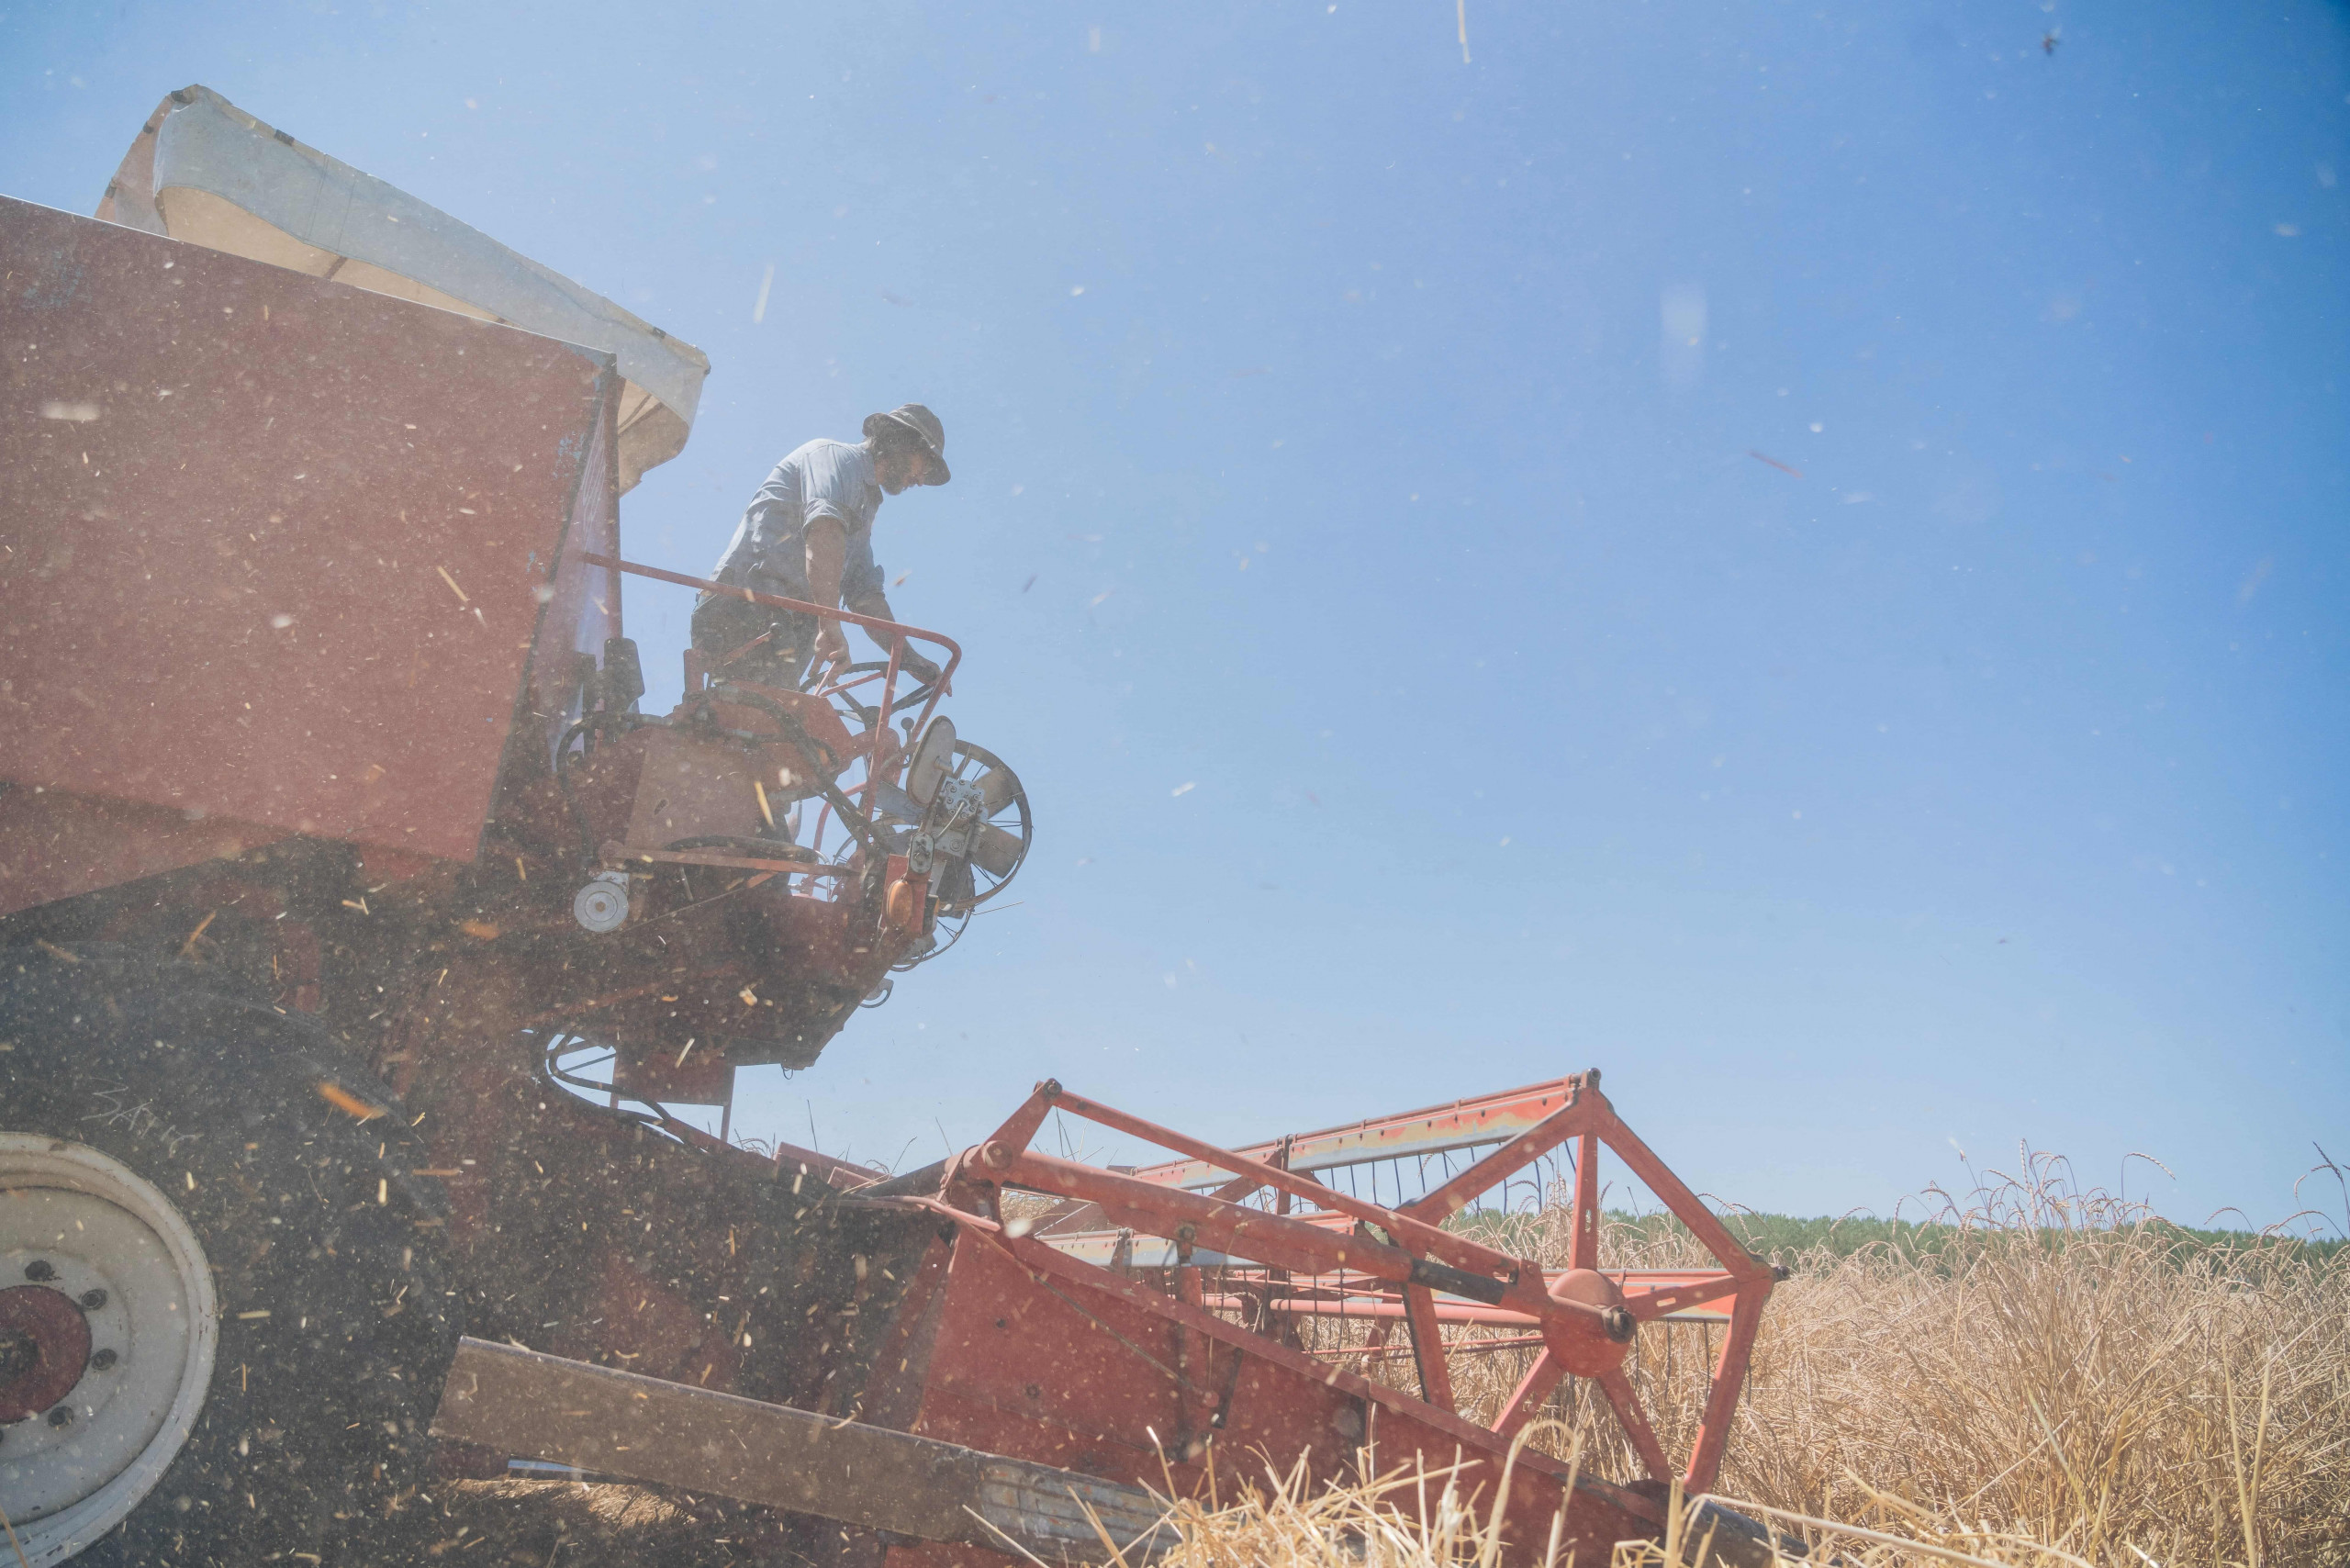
(808,534)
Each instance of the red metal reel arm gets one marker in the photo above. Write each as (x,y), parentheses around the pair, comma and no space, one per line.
(1019,1127)
(1412,1234)
(1275,1239)
(1428,1347)
(1231,1229)
(1544,1376)
(1586,1252)
(897,629)
(1686,1206)
(1730,1378)
(1625,1400)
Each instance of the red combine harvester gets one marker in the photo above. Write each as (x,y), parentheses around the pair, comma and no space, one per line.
(359,938)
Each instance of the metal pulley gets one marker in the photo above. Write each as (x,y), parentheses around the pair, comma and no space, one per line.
(601,904)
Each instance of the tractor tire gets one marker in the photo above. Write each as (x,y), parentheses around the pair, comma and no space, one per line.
(224,1314)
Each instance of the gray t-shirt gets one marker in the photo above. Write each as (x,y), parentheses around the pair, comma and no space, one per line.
(769,551)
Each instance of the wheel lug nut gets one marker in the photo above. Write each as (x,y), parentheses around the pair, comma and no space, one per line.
(93,1299)
(101,1359)
(39,1270)
(62,1416)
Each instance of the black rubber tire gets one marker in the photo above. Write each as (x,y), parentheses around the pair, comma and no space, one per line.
(313,1438)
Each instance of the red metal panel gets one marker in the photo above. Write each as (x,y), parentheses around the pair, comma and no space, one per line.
(274,545)
(54,844)
(1054,1362)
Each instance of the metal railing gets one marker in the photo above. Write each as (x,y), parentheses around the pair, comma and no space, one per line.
(894,634)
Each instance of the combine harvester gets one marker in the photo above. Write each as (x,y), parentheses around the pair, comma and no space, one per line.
(359,938)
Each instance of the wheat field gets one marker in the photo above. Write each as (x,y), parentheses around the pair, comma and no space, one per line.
(2053,1376)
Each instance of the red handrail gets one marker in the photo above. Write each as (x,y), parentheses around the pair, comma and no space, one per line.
(898,630)
(776,601)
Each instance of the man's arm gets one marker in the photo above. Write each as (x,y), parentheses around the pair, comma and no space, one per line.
(827,554)
(877,604)
(827,546)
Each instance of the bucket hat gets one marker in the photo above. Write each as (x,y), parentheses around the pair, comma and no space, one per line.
(925,427)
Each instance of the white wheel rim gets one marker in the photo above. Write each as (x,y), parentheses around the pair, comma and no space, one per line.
(83,1222)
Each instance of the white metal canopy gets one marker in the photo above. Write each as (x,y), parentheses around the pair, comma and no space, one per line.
(205,171)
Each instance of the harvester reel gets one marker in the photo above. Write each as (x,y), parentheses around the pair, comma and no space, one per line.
(1585,1315)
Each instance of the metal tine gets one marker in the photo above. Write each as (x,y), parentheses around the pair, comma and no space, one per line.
(1509,1159)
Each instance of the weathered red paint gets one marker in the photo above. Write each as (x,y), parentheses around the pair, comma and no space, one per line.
(57,845)
(275,544)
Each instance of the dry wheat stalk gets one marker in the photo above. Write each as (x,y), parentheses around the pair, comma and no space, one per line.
(2058,1377)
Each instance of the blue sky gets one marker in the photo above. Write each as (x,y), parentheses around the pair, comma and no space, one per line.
(1983,783)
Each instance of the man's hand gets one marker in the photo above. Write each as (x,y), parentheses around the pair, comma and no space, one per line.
(876,605)
(832,648)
